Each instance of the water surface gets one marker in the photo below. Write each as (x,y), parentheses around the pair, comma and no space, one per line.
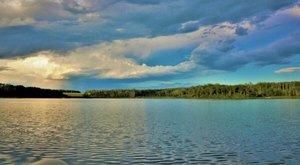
(113,131)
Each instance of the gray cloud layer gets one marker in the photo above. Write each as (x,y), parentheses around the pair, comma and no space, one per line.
(65,39)
(67,24)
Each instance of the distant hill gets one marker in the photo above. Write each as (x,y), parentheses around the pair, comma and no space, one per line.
(19,91)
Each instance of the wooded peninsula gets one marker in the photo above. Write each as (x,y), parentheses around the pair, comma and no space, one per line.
(214,91)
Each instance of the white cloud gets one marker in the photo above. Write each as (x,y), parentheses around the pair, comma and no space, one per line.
(41,65)
(295,10)
(37,70)
(118,59)
(144,47)
(288,70)
(222,50)
(120,30)
(13,4)
(108,61)
(85,61)
(79,4)
(39,13)
(189,26)
(214,45)
(217,42)
(88,17)
(5,22)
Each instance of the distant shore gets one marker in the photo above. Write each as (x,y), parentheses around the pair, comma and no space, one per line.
(202,98)
(81,95)
(266,90)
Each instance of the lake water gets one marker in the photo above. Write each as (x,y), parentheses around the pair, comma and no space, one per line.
(96,131)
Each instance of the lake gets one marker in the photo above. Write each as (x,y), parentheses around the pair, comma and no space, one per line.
(127,131)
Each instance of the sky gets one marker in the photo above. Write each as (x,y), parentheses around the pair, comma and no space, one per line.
(105,44)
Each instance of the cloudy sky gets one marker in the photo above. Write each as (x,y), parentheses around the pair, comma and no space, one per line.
(87,44)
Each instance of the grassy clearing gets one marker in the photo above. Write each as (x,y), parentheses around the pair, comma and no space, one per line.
(73,95)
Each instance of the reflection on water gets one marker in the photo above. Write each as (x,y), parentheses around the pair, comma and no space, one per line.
(150,131)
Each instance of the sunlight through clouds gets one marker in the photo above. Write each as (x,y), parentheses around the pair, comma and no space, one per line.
(132,42)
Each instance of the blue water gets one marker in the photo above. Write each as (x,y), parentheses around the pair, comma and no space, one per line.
(114,131)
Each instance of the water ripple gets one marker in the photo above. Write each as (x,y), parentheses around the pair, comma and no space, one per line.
(127,131)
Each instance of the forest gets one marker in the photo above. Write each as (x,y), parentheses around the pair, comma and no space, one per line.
(249,90)
(19,91)
(259,90)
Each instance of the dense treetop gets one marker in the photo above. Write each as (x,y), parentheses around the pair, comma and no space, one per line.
(7,90)
(207,91)
(286,89)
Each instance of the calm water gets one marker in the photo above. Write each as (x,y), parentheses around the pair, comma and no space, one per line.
(152,131)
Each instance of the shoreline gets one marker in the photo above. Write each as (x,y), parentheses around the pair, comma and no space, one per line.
(267,90)
(192,98)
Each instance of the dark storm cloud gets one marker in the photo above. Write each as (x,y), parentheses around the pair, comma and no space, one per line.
(278,52)
(61,29)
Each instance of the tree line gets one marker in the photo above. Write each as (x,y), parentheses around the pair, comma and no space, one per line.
(280,89)
(19,91)
(206,91)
